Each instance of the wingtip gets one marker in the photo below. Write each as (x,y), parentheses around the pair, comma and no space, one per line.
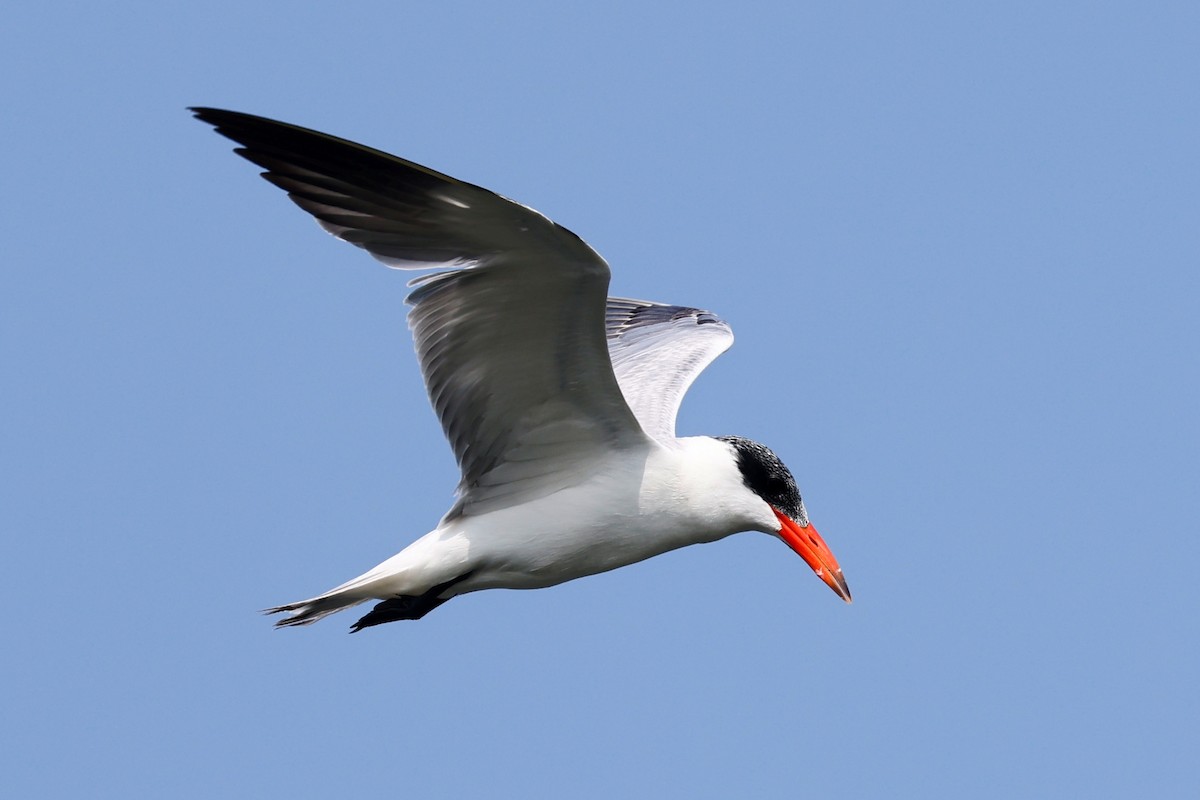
(202,112)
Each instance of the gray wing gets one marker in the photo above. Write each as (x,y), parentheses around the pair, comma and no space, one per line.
(657,351)
(510,340)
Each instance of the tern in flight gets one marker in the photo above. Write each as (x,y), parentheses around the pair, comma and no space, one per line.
(558,401)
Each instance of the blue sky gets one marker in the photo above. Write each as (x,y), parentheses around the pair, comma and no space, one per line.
(958,244)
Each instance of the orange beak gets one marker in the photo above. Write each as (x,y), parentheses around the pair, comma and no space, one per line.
(809,545)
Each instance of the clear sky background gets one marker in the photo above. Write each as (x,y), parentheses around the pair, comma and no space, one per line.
(959,246)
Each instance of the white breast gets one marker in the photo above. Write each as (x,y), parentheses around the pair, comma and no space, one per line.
(633,507)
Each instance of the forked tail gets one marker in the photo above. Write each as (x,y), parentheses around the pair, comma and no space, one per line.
(392,609)
(306,612)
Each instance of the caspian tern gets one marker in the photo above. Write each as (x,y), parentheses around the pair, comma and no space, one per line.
(559,402)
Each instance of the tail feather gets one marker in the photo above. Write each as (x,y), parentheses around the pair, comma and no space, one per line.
(306,612)
(392,609)
(349,594)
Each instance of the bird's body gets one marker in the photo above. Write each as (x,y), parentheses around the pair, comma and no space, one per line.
(559,402)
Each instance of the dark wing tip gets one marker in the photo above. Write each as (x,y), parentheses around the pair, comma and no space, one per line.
(233,120)
(624,314)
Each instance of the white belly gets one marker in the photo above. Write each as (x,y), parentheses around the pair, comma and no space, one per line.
(631,507)
(625,513)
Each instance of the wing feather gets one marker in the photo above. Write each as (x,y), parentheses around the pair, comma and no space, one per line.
(657,351)
(510,338)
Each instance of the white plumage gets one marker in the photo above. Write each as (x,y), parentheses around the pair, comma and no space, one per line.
(559,403)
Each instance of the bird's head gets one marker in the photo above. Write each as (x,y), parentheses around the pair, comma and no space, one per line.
(766,476)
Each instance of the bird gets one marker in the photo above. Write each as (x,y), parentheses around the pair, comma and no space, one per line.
(558,401)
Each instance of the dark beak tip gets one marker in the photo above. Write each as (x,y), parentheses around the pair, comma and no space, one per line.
(845,589)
